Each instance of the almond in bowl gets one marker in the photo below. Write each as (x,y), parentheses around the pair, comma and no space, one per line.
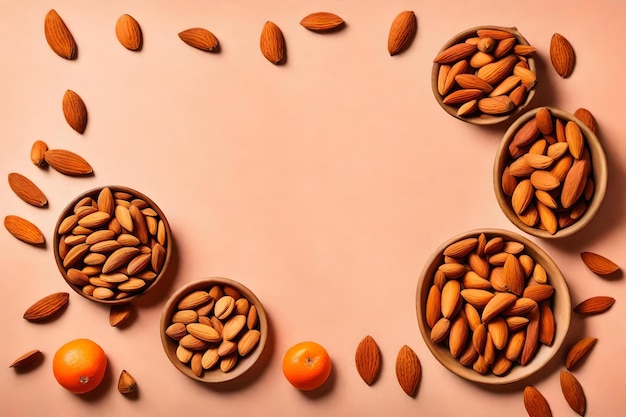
(214,330)
(492,306)
(550,173)
(484,75)
(112,244)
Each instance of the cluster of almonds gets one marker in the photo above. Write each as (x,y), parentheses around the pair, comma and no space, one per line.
(548,176)
(214,328)
(113,245)
(487,73)
(491,304)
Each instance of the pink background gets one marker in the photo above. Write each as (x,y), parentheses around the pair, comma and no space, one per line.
(323,185)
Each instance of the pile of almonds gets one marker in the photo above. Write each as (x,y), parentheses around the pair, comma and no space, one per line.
(214,328)
(113,245)
(490,303)
(488,73)
(548,175)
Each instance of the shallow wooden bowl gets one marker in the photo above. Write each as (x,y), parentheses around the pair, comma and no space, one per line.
(93,193)
(561,307)
(213,375)
(599,172)
(480,118)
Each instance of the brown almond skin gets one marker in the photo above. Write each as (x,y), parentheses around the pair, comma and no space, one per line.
(23,230)
(368,359)
(402,32)
(47,307)
(26,359)
(58,36)
(408,370)
(25,189)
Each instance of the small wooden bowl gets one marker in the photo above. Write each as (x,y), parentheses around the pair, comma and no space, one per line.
(213,375)
(561,307)
(93,193)
(481,118)
(599,172)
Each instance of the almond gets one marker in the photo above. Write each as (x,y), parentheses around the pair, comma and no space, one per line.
(458,68)
(547,324)
(402,32)
(598,263)
(119,313)
(467,108)
(176,330)
(579,351)
(37,152)
(233,326)
(524,50)
(58,36)
(574,139)
(486,44)
(193,300)
(521,307)
(126,383)
(26,359)
(450,298)
(479,338)
(506,85)
(594,305)
(408,370)
(47,307)
(204,332)
(119,258)
(433,306)
(496,34)
(543,121)
(547,218)
(472,81)
(452,270)
(455,53)
(479,59)
(496,105)
(587,118)
(272,43)
(472,280)
(526,76)
(532,337)
(368,359)
(23,230)
(522,196)
(462,96)
(440,330)
(526,134)
(210,358)
(459,332)
(573,392)
(562,55)
(497,71)
(501,366)
(248,342)
(504,47)
(519,95)
(321,21)
(27,190)
(509,182)
(535,403)
(193,343)
(515,345)
(477,298)
(562,165)
(75,111)
(574,183)
(498,303)
(128,32)
(67,162)
(228,362)
(515,323)
(538,292)
(199,38)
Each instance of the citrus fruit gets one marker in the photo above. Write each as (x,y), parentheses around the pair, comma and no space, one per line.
(306,365)
(79,365)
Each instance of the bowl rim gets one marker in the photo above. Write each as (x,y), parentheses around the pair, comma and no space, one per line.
(442,354)
(90,193)
(599,170)
(483,119)
(213,376)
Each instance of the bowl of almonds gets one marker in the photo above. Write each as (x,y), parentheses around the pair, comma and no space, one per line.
(492,306)
(214,330)
(484,75)
(112,244)
(550,173)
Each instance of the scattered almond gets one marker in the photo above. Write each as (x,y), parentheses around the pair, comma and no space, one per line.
(573,392)
(368,359)
(37,152)
(578,351)
(594,305)
(598,263)
(272,43)
(27,190)
(408,370)
(47,307)
(67,162)
(561,55)
(23,230)
(75,111)
(128,32)
(402,32)
(587,118)
(199,38)
(119,313)
(126,383)
(26,359)
(58,36)
(535,403)
(322,21)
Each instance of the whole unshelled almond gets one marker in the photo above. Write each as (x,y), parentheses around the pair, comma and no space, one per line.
(27,190)
(126,383)
(47,307)
(23,230)
(119,313)
(535,403)
(128,32)
(321,21)
(595,305)
(58,36)
(455,53)
(37,152)
(587,118)
(67,162)
(272,43)
(26,359)
(577,352)
(75,111)
(248,342)
(573,392)
(367,359)
(496,105)
(598,263)
(402,32)
(408,370)
(199,38)
(562,55)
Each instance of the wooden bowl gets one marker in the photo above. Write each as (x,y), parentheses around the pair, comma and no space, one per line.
(214,375)
(599,174)
(479,118)
(148,274)
(561,307)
